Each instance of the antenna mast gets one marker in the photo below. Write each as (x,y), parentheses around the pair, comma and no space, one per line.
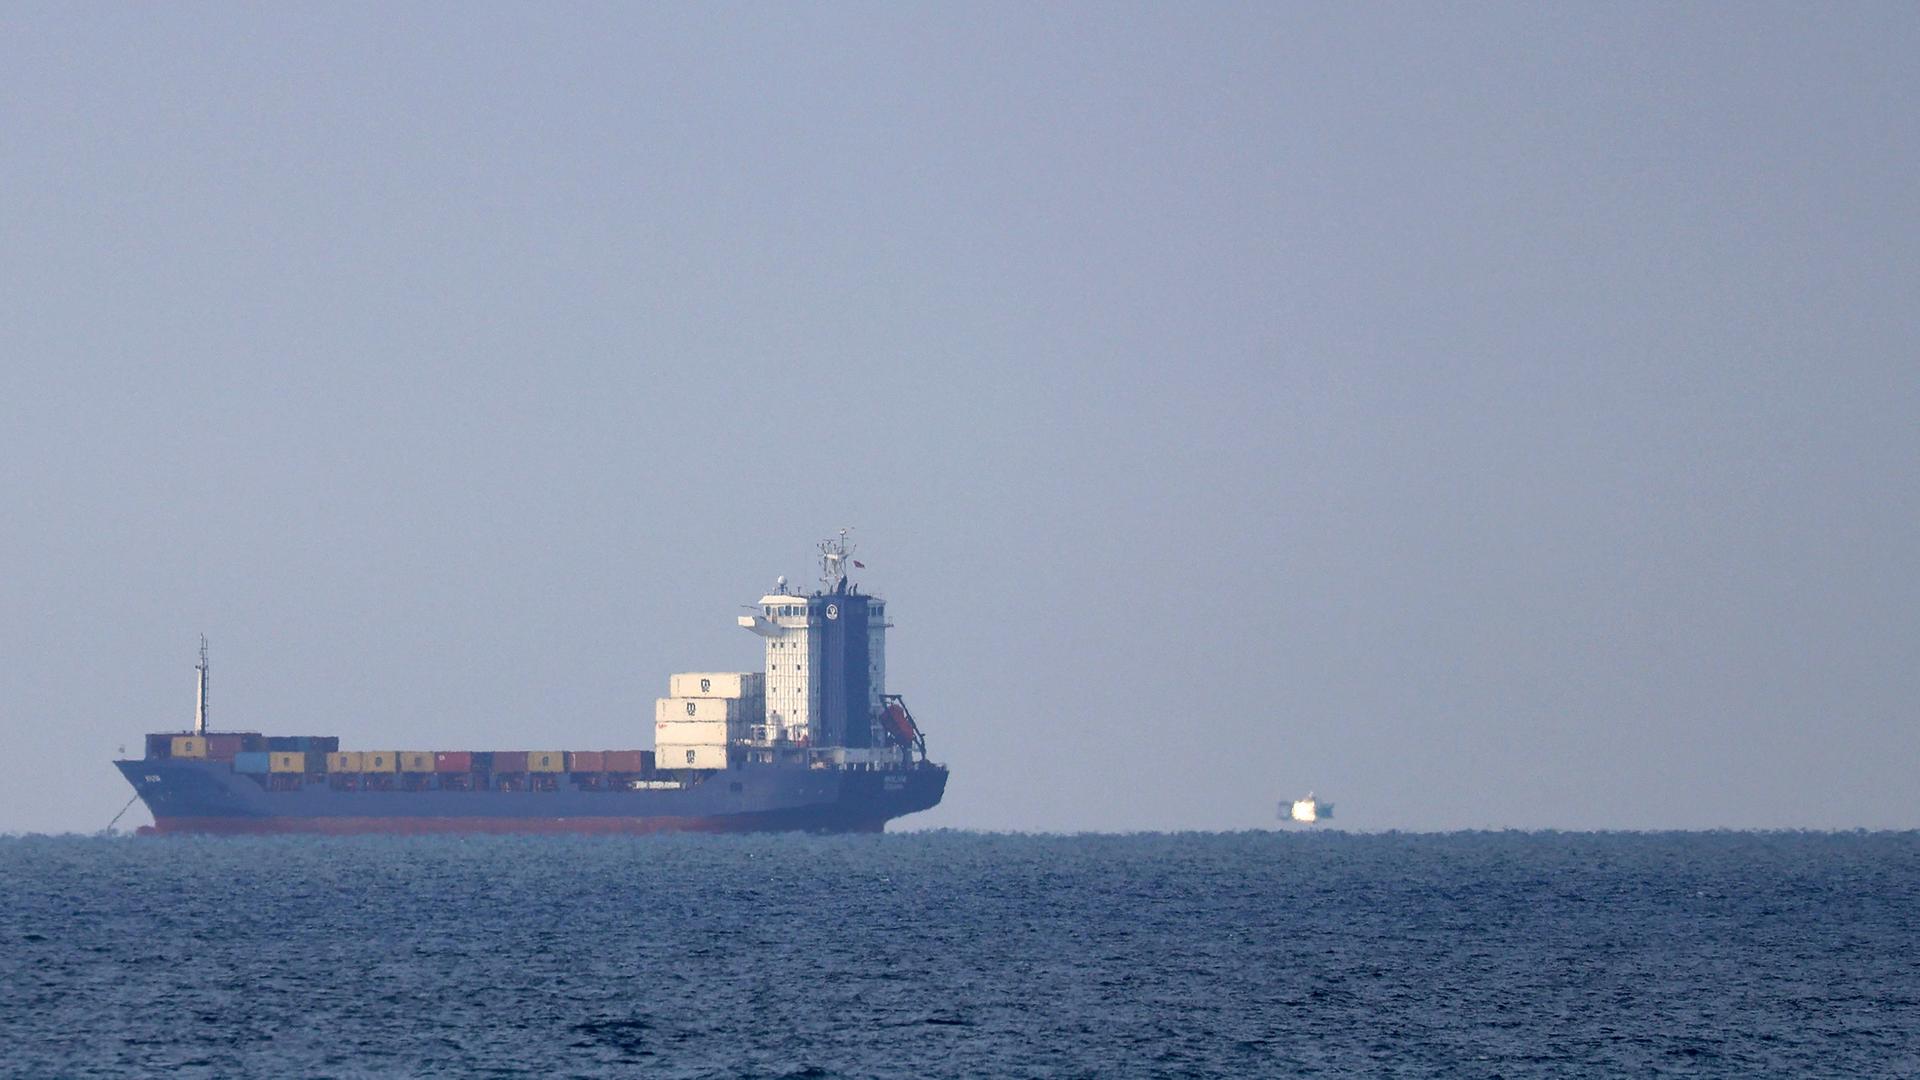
(835,554)
(200,712)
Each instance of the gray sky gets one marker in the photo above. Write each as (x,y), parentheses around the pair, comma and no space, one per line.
(1487,416)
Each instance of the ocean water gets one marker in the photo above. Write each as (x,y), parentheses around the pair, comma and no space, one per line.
(955,954)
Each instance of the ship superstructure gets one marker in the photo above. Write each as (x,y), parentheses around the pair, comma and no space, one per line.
(813,741)
(826,666)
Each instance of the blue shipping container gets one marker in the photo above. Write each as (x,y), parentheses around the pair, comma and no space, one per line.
(251,761)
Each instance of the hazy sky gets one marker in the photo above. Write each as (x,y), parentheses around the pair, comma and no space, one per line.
(1483,415)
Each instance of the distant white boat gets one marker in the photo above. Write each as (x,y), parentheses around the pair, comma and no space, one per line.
(1307,810)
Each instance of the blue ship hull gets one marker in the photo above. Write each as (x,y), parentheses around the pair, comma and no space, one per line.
(210,797)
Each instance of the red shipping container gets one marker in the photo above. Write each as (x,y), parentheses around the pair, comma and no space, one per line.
(625,760)
(509,761)
(586,761)
(453,761)
(224,747)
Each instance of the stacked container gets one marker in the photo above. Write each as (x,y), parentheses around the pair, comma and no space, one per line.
(695,733)
(692,757)
(223,746)
(673,710)
(306,744)
(739,685)
(707,711)
(628,761)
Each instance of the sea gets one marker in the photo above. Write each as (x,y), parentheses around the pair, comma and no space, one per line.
(954,954)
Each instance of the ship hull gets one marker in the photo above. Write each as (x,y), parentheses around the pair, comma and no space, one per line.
(208,797)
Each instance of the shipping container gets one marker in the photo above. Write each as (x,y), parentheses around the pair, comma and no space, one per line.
(379,761)
(159,746)
(288,761)
(453,761)
(546,761)
(628,760)
(188,746)
(347,761)
(691,757)
(251,761)
(717,684)
(416,761)
(223,746)
(694,733)
(586,761)
(695,708)
(306,744)
(509,761)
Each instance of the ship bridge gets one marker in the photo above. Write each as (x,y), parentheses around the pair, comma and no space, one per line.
(826,660)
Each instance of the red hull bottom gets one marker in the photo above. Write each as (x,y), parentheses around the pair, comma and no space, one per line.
(412,826)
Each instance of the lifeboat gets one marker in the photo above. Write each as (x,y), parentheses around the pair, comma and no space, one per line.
(899,725)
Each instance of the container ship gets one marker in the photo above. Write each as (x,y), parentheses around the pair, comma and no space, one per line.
(1307,810)
(812,742)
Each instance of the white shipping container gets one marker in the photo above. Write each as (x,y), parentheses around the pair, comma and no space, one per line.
(696,732)
(717,684)
(735,710)
(690,757)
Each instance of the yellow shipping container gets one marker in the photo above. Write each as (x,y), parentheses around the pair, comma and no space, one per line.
(416,761)
(379,761)
(189,746)
(287,762)
(346,761)
(546,761)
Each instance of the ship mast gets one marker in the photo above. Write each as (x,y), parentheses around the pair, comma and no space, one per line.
(200,710)
(835,554)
